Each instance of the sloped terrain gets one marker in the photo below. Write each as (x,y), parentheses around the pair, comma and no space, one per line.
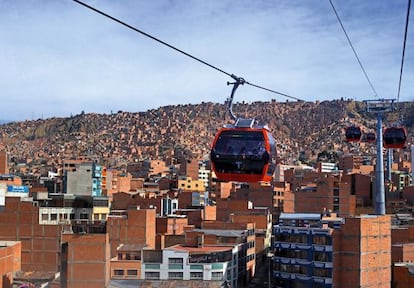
(303,131)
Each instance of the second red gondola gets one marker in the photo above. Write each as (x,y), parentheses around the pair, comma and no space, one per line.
(395,137)
(353,134)
(370,137)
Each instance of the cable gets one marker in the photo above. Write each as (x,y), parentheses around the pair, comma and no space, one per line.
(353,49)
(176,49)
(270,90)
(403,52)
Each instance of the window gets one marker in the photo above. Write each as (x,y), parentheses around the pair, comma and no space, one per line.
(175,263)
(196,275)
(321,256)
(95,216)
(175,275)
(300,238)
(132,272)
(53,217)
(319,239)
(321,272)
(216,276)
(152,275)
(175,260)
(118,272)
(45,217)
(299,269)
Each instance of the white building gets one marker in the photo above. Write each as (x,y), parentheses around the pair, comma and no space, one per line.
(208,263)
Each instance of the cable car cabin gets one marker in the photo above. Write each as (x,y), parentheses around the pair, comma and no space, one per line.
(370,137)
(395,137)
(244,153)
(353,134)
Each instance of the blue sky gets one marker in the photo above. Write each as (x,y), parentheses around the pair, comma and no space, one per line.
(59,58)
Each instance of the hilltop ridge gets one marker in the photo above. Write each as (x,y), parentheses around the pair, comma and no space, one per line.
(302,131)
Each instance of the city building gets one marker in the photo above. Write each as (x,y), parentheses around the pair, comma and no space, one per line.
(323,250)
(85,260)
(10,261)
(313,192)
(127,263)
(137,227)
(4,166)
(84,179)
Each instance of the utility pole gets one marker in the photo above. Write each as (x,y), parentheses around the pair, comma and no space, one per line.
(379,107)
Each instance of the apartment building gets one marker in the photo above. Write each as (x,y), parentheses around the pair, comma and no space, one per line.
(313,192)
(242,234)
(204,263)
(85,179)
(127,264)
(313,250)
(40,244)
(137,227)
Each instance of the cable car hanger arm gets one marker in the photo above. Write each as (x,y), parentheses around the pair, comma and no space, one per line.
(239,80)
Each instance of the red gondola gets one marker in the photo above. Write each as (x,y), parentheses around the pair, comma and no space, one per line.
(244,153)
(370,137)
(353,134)
(394,137)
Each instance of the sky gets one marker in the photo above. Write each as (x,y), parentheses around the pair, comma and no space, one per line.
(59,58)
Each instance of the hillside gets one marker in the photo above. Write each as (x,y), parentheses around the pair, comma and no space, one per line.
(302,130)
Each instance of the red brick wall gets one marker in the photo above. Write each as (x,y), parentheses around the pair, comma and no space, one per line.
(88,260)
(227,206)
(4,168)
(362,252)
(40,243)
(170,225)
(10,262)
(137,228)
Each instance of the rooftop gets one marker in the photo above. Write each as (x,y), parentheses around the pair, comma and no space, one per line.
(205,249)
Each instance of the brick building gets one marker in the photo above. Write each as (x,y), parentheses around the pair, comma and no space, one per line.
(314,192)
(10,261)
(132,227)
(40,244)
(85,260)
(327,251)
(4,167)
(362,252)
